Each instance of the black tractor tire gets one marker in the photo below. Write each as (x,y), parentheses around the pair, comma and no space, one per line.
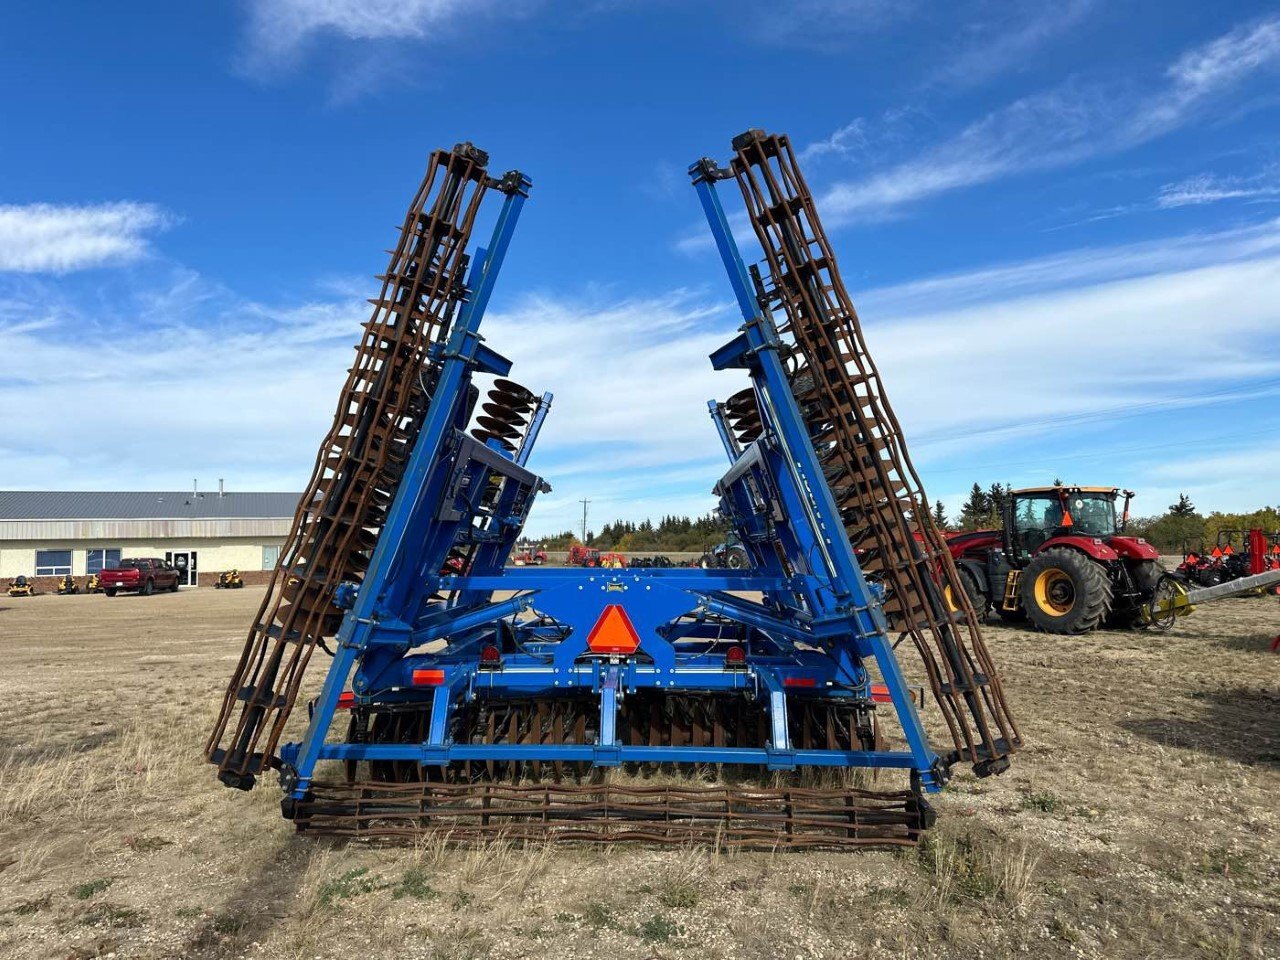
(969,584)
(736,559)
(148,588)
(1146,577)
(1064,591)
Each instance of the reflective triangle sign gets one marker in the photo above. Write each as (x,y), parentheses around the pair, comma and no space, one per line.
(613,632)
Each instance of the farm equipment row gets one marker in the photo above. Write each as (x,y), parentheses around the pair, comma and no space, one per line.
(1258,552)
(24,586)
(468,678)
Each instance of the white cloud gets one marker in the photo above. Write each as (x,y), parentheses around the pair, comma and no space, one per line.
(1228,58)
(1016,31)
(1042,359)
(1062,126)
(825,24)
(1086,266)
(1207,188)
(281,26)
(51,238)
(245,390)
(851,138)
(629,426)
(1018,363)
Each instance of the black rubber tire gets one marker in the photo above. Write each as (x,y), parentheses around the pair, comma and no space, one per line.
(1083,583)
(1011,616)
(1146,574)
(174,588)
(969,584)
(109,593)
(736,559)
(1146,577)
(148,588)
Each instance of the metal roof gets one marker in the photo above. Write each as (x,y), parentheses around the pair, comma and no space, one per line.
(143,505)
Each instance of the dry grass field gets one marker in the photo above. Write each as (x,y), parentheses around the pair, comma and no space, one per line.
(1142,820)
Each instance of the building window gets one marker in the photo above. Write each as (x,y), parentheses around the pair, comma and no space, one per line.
(98,560)
(270,557)
(53,563)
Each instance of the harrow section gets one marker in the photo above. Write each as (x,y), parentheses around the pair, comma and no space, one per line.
(744,817)
(859,445)
(360,463)
(489,700)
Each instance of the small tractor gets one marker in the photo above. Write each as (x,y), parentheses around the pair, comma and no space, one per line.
(1061,561)
(229,580)
(21,586)
(67,586)
(92,585)
(580,556)
(529,556)
(730,554)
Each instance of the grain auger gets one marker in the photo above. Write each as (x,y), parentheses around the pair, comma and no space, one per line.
(657,704)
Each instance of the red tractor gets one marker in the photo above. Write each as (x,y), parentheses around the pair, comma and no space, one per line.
(580,556)
(527,555)
(1062,561)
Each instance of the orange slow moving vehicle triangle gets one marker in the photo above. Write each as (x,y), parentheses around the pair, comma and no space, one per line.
(613,632)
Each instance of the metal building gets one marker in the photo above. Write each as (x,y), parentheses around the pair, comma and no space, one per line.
(52,533)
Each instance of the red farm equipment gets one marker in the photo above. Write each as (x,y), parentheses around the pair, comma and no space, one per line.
(1062,561)
(1235,555)
(527,555)
(580,556)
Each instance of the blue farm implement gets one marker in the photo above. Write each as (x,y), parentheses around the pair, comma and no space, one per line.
(481,700)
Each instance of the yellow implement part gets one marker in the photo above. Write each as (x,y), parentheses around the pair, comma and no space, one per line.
(1011,599)
(1170,602)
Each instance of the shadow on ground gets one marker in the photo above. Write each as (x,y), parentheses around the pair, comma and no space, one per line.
(1238,724)
(257,904)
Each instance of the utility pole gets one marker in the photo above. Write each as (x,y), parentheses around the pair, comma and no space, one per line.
(584,519)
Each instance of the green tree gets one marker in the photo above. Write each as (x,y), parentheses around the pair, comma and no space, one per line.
(939,515)
(976,509)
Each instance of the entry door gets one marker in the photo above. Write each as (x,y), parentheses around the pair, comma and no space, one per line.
(184,561)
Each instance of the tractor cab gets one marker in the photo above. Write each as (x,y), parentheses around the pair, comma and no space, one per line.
(1038,514)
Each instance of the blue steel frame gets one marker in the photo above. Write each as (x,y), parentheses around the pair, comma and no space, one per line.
(413,635)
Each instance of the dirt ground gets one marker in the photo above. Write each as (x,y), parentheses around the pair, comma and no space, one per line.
(1141,820)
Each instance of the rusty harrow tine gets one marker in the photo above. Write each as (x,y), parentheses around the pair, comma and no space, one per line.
(358,466)
(798,818)
(855,431)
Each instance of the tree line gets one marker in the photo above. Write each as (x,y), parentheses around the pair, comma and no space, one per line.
(674,534)
(1181,525)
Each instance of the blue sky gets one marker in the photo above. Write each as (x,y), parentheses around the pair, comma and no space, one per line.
(1060,222)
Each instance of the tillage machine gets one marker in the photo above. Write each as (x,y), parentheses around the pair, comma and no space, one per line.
(471,698)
